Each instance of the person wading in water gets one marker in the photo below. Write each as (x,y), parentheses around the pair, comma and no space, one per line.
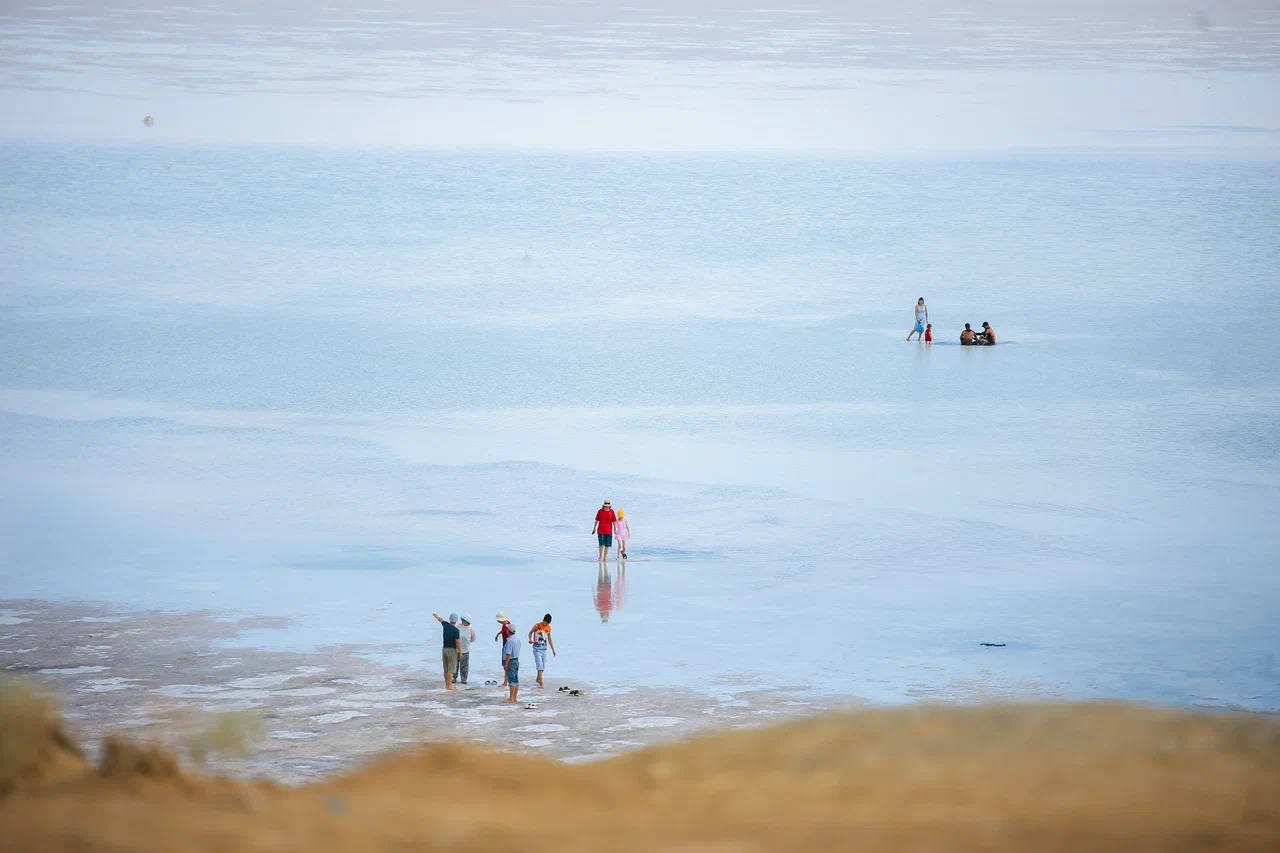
(922,319)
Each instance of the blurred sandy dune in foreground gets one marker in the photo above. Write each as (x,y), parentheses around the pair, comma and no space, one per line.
(1031,777)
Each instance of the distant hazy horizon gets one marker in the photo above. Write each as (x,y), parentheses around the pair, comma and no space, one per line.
(925,77)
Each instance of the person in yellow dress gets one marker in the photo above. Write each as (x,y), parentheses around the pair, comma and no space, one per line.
(622,532)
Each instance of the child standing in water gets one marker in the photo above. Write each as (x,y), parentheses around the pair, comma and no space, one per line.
(503,634)
(622,532)
(928,334)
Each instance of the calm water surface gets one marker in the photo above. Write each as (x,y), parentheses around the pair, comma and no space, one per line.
(355,387)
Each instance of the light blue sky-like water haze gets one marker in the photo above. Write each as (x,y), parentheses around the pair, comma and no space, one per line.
(927,76)
(320,379)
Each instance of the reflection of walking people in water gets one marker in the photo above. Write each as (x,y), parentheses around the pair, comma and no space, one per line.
(620,588)
(603,528)
(604,592)
(622,532)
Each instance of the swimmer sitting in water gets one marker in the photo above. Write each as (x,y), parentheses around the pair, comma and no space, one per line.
(987,337)
(967,337)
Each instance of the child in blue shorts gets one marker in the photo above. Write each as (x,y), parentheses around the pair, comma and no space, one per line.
(511,663)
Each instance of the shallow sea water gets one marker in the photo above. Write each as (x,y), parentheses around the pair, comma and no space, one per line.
(353,387)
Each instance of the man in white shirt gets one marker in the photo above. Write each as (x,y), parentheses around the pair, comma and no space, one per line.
(466,636)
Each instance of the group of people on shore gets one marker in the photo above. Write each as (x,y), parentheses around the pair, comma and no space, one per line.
(968,337)
(459,634)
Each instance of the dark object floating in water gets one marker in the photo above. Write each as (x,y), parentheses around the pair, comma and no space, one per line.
(148,121)
(575,692)
(994,645)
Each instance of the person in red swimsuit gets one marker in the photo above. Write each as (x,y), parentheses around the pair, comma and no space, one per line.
(603,529)
(928,334)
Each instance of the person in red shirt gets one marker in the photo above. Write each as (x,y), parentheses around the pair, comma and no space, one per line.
(603,529)
(928,334)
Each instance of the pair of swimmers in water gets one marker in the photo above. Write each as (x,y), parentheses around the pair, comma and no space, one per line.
(985,338)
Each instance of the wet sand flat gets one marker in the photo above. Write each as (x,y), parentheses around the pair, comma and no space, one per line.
(155,675)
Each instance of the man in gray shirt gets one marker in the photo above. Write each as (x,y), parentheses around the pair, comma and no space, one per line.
(511,663)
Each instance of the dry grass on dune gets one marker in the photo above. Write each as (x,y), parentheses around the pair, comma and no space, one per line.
(1034,777)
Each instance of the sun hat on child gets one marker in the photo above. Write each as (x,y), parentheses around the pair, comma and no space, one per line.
(502,617)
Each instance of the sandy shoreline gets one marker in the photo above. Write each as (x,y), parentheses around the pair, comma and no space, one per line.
(1056,777)
(153,675)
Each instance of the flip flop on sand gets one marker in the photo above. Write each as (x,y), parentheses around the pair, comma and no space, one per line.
(576,693)
(530,706)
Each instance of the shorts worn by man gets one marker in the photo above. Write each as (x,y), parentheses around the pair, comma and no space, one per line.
(603,528)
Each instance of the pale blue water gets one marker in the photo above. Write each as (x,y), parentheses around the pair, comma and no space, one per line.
(327,385)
